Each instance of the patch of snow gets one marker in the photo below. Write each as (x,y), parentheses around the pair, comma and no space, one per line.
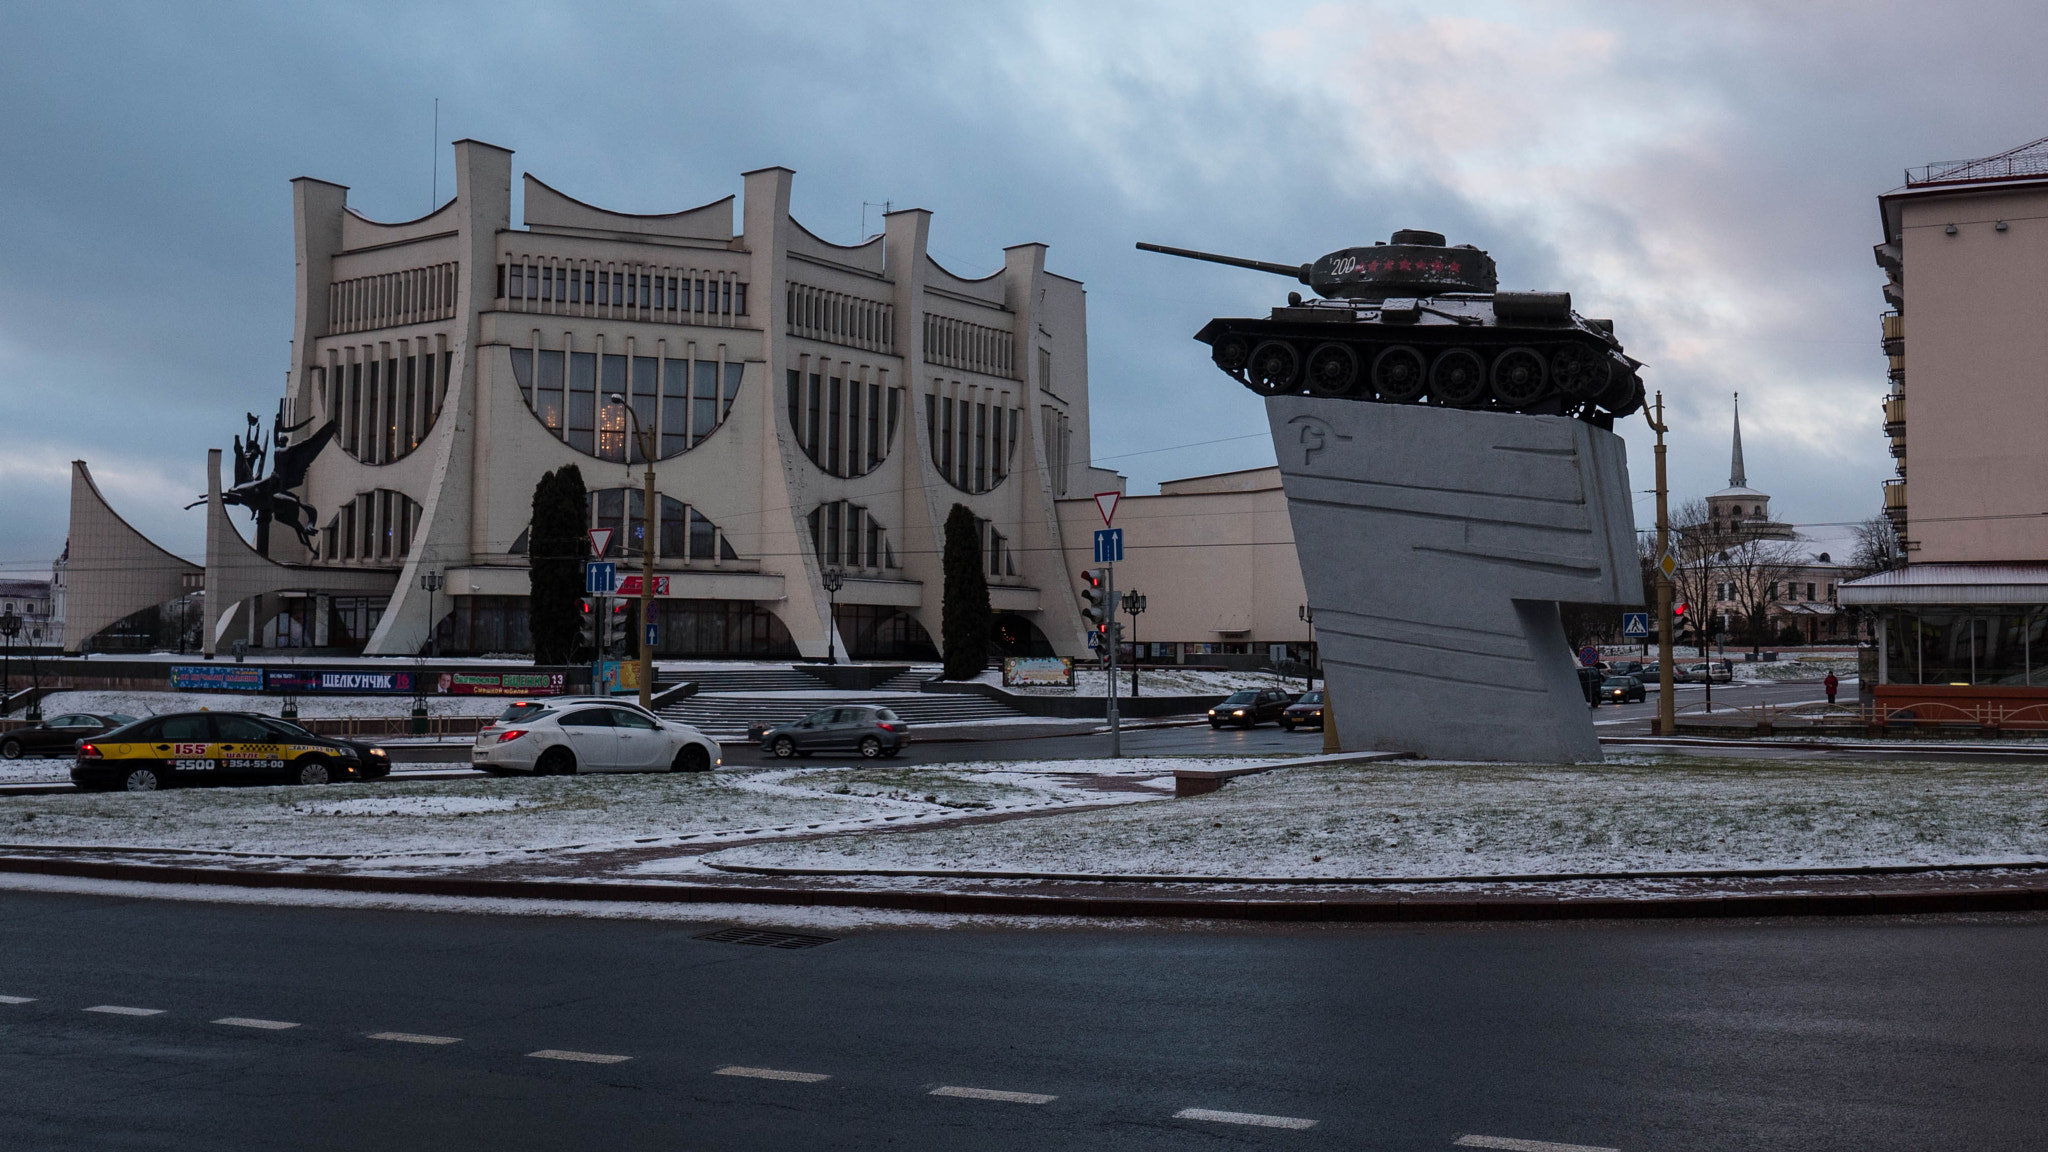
(1410,818)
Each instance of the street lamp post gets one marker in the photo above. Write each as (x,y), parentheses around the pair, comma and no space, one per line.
(1309,618)
(10,626)
(833,580)
(34,713)
(431,581)
(1134,603)
(649,518)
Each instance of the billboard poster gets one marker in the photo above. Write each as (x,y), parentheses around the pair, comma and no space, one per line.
(501,684)
(352,680)
(1038,671)
(216,678)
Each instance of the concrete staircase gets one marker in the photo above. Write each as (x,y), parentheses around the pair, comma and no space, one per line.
(720,680)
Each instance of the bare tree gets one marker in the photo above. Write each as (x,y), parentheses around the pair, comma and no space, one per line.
(1757,568)
(1694,542)
(1878,548)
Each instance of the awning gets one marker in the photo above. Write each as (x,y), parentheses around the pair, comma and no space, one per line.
(1938,584)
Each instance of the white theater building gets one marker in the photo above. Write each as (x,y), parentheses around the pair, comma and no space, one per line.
(816,407)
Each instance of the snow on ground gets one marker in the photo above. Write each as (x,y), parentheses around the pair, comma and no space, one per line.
(1413,818)
(310,706)
(448,817)
(1771,671)
(1163,682)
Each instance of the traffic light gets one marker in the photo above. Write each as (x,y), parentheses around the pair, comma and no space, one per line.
(1095,605)
(586,625)
(615,627)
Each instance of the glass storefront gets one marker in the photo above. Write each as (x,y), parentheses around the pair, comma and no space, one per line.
(1989,645)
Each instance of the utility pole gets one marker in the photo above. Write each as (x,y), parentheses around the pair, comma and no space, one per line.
(1667,710)
(1110,636)
(650,521)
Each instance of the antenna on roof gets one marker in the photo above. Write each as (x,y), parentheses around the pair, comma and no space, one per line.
(434,158)
(887,206)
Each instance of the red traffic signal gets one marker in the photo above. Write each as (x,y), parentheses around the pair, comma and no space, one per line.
(1678,610)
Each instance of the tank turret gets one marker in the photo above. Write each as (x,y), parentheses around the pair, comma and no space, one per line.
(1415,321)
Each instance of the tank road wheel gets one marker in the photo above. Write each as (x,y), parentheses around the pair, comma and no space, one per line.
(1580,373)
(1519,378)
(1332,370)
(1397,374)
(1231,354)
(1458,378)
(1275,368)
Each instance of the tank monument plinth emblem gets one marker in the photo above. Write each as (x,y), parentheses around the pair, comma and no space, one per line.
(1452,474)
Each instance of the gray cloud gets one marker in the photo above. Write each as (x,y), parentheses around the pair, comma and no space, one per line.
(1704,175)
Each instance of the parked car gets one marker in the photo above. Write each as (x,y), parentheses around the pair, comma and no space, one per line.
(579,735)
(1622,690)
(869,729)
(1627,668)
(1250,708)
(59,735)
(222,747)
(1720,671)
(1306,712)
(1590,680)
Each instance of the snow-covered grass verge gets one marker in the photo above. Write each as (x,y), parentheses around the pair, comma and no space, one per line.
(1439,819)
(449,817)
(1812,669)
(310,706)
(1165,682)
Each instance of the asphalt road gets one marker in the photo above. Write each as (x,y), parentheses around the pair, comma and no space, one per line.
(303,1028)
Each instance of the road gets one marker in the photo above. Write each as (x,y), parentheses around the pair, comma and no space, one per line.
(307,1028)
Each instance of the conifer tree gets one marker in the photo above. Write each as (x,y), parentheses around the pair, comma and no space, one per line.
(964,620)
(556,546)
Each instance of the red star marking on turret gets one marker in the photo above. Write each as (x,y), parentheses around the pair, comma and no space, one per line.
(1452,268)
(1404,266)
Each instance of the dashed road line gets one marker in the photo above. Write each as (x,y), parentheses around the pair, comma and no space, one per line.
(993,1094)
(1508,1144)
(17,999)
(770,1074)
(415,1038)
(250,1022)
(578,1057)
(1251,1118)
(118,1010)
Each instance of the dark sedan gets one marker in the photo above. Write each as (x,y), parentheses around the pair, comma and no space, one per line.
(58,735)
(1306,712)
(1250,708)
(1622,690)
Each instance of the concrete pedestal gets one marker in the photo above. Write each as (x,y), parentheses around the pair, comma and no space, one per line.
(1436,544)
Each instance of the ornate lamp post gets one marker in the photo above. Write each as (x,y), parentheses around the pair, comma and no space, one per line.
(1134,603)
(10,627)
(833,580)
(650,518)
(431,581)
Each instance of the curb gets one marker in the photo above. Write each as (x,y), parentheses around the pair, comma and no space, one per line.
(999,904)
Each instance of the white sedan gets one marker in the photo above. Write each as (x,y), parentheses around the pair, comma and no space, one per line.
(563,739)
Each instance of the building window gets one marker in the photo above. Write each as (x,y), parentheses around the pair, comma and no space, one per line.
(846,535)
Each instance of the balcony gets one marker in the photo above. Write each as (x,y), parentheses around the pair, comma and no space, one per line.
(1899,444)
(1895,415)
(1895,504)
(1894,334)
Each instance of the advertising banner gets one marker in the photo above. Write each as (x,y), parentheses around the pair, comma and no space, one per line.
(1039,671)
(353,681)
(216,678)
(501,684)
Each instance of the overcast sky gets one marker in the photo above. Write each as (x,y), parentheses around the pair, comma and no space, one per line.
(1705,174)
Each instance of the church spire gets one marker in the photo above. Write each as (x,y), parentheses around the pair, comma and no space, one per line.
(1736,479)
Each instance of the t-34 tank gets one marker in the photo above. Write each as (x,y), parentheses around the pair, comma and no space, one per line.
(1413,321)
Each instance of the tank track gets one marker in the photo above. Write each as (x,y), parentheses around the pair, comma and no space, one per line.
(1563,370)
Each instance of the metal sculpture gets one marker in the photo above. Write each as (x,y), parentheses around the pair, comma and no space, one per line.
(270,497)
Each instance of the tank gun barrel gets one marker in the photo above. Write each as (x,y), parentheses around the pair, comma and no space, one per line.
(1298,271)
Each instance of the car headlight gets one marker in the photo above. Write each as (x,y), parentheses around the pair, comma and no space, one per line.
(378,752)
(1239,712)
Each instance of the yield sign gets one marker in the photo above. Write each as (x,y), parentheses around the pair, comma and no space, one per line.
(1105,503)
(600,539)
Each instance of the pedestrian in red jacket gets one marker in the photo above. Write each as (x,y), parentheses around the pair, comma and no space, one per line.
(1831,684)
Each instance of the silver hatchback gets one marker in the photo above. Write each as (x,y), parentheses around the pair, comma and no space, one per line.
(869,729)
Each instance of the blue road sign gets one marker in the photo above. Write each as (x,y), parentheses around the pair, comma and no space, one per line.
(1635,625)
(1589,656)
(600,577)
(1109,545)
(1094,638)
(653,634)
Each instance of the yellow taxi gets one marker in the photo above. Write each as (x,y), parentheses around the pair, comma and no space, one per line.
(219,747)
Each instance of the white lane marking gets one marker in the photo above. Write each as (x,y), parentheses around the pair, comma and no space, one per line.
(993,1094)
(770,1074)
(579,1057)
(1513,1145)
(415,1038)
(249,1022)
(17,999)
(117,1010)
(1251,1118)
